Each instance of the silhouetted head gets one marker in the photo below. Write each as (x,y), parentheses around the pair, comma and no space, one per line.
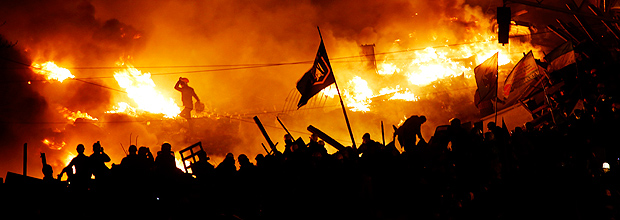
(288,139)
(423,118)
(80,149)
(183,81)
(488,136)
(166,147)
(97,147)
(243,159)
(143,151)
(47,171)
(455,122)
(229,156)
(366,138)
(529,126)
(518,130)
(202,155)
(132,149)
(491,125)
(314,137)
(259,157)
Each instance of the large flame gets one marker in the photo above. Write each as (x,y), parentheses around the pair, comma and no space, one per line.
(68,114)
(51,71)
(423,67)
(142,90)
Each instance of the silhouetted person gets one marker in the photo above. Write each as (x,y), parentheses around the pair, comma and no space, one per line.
(164,162)
(48,172)
(131,162)
(369,148)
(288,143)
(410,129)
(227,167)
(245,166)
(98,160)
(145,159)
(315,148)
(202,168)
(187,93)
(457,135)
(79,179)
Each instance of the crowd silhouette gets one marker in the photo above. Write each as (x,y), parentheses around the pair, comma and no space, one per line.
(546,168)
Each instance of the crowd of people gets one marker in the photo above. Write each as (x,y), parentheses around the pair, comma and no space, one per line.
(563,168)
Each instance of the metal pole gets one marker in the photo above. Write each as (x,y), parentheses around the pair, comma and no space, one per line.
(25,166)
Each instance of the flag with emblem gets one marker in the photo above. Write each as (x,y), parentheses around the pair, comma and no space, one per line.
(486,79)
(317,78)
(524,72)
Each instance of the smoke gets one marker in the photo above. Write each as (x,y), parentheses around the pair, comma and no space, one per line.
(100,33)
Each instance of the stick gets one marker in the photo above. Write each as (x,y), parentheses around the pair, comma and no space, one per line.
(268,153)
(25,162)
(326,138)
(344,111)
(289,133)
(382,133)
(124,149)
(262,129)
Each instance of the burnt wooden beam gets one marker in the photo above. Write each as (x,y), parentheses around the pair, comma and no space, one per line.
(326,138)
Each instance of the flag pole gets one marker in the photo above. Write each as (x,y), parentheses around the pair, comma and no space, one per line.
(496,86)
(344,111)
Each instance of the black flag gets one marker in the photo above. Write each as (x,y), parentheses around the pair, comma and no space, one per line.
(317,78)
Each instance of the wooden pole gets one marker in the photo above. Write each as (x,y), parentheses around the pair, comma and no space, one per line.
(344,111)
(25,165)
(262,129)
(289,133)
(268,153)
(326,138)
(382,133)
(496,87)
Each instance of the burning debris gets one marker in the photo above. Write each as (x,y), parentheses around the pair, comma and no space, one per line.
(418,69)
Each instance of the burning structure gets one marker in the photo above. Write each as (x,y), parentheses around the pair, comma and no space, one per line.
(95,71)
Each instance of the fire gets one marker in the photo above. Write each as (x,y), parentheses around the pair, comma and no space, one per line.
(53,145)
(68,114)
(388,69)
(399,94)
(52,71)
(142,90)
(125,108)
(422,67)
(360,96)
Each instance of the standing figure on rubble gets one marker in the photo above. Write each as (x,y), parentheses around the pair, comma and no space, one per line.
(410,129)
(187,93)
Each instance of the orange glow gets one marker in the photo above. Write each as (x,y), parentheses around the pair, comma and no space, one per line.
(75,115)
(53,145)
(430,65)
(143,92)
(360,95)
(52,71)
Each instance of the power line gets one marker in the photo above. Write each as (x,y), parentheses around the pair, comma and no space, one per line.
(256,65)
